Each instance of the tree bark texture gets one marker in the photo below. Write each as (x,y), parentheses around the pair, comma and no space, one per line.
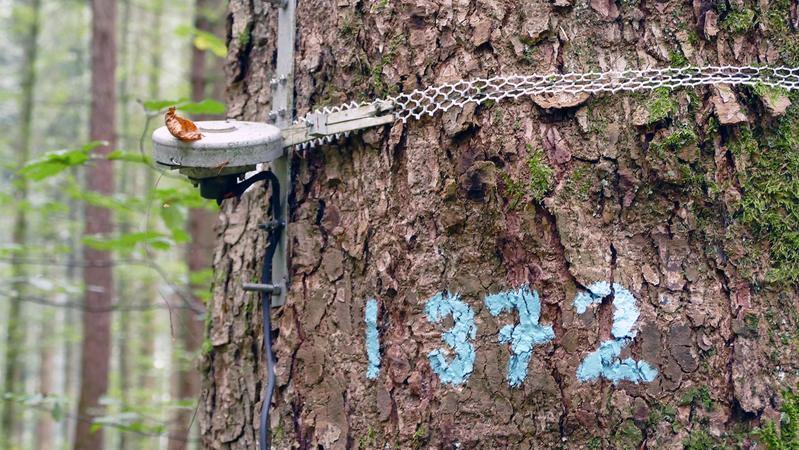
(98,280)
(451,204)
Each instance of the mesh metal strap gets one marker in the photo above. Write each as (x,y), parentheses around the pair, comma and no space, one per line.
(440,98)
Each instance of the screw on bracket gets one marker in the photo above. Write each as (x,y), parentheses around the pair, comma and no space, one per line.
(278,3)
(273,82)
(259,287)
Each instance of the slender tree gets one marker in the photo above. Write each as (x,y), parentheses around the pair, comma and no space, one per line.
(15,337)
(123,335)
(98,279)
(43,436)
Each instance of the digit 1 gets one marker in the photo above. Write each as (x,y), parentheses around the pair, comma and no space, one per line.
(372,339)
(523,336)
(605,361)
(458,369)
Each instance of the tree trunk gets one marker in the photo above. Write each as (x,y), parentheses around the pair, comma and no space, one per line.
(15,335)
(96,344)
(45,426)
(658,202)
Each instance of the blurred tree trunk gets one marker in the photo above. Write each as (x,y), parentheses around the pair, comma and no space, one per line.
(15,333)
(204,76)
(126,294)
(97,277)
(43,436)
(146,328)
(651,191)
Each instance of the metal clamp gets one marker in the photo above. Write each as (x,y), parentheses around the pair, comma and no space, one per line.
(320,124)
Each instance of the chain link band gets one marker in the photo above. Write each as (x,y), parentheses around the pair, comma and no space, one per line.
(441,98)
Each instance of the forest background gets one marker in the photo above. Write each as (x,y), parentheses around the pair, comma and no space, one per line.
(157,250)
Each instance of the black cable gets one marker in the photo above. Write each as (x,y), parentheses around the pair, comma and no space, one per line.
(274,229)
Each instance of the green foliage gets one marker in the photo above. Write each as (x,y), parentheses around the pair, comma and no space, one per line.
(541,174)
(787,437)
(739,21)
(206,106)
(379,6)
(55,405)
(121,155)
(778,19)
(125,243)
(203,40)
(513,189)
(128,421)
(698,397)
(53,163)
(660,413)
(174,217)
(751,324)
(677,59)
(744,144)
(538,183)
(627,436)
(770,202)
(681,138)
(419,436)
(769,92)
(660,105)
(699,440)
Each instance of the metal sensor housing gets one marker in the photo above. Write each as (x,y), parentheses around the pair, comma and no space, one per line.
(227,150)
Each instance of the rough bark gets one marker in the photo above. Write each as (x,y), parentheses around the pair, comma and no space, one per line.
(98,279)
(402,213)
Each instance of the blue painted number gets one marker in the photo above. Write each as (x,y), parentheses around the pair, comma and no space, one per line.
(372,339)
(460,367)
(523,336)
(605,361)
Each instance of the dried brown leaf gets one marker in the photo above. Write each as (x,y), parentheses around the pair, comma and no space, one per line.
(183,129)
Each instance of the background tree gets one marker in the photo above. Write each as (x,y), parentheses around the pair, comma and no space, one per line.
(28,14)
(681,197)
(97,277)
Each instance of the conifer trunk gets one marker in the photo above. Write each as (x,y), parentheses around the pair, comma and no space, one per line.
(659,199)
(97,276)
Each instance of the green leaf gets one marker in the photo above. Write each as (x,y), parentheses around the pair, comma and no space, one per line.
(203,40)
(53,163)
(184,31)
(175,220)
(158,105)
(121,155)
(208,41)
(183,194)
(206,106)
(201,277)
(126,242)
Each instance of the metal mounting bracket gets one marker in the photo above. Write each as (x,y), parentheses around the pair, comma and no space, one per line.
(319,125)
(282,115)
